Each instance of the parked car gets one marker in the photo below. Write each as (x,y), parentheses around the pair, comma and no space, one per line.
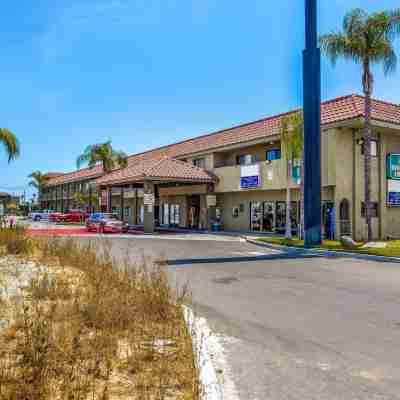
(40,215)
(76,216)
(57,217)
(105,223)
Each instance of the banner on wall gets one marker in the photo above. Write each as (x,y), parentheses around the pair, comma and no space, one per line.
(250,176)
(393,198)
(103,198)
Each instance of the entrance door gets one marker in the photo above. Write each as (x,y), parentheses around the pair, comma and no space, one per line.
(256,216)
(328,220)
(269,216)
(194,212)
(174,215)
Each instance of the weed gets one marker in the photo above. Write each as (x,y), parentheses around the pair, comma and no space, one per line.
(92,328)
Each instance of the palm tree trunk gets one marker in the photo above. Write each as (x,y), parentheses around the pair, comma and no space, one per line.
(367,86)
(288,231)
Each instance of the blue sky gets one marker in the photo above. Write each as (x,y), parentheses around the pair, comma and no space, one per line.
(150,72)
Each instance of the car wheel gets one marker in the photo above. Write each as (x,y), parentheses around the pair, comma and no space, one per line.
(37,218)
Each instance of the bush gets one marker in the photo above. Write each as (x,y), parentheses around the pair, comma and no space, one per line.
(90,327)
(15,241)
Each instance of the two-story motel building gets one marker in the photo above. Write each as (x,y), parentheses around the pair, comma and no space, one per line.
(238,177)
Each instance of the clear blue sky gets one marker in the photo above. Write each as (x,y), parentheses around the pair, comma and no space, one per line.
(150,72)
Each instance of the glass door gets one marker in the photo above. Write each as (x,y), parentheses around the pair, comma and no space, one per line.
(256,216)
(269,216)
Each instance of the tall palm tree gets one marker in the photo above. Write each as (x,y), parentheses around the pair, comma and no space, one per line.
(366,39)
(10,143)
(104,154)
(292,145)
(38,180)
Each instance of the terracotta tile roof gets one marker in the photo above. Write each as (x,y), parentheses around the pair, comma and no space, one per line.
(52,175)
(164,169)
(333,111)
(80,174)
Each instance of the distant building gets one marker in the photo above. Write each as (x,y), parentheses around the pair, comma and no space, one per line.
(8,202)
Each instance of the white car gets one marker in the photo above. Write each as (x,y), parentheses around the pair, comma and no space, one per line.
(40,215)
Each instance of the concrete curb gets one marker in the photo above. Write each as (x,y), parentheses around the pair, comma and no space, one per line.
(200,332)
(322,252)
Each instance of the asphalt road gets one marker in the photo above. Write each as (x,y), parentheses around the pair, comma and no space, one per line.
(291,328)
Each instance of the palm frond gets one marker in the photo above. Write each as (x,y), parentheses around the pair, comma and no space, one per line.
(354,22)
(10,143)
(395,22)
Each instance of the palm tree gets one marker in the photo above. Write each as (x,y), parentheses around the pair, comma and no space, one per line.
(104,154)
(367,40)
(38,180)
(292,145)
(10,143)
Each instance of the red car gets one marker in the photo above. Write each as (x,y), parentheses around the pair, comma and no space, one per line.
(57,217)
(76,216)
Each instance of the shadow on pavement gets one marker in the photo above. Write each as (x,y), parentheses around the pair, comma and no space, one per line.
(291,254)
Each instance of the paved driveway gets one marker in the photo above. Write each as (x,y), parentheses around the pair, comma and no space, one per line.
(291,328)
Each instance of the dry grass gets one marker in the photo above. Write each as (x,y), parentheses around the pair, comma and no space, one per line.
(87,327)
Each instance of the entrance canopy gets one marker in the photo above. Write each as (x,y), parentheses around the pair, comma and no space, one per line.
(159,170)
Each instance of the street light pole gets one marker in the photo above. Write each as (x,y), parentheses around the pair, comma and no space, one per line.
(312,129)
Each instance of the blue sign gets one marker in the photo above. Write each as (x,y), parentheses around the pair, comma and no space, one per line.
(249,182)
(394,198)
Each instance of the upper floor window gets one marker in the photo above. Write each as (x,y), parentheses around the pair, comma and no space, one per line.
(246,159)
(199,162)
(374,148)
(274,154)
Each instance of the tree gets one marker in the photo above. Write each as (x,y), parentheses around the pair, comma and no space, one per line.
(38,181)
(84,199)
(366,39)
(10,143)
(104,154)
(292,145)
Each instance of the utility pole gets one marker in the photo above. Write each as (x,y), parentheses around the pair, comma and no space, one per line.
(312,129)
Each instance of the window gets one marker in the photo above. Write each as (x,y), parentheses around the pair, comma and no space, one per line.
(274,154)
(374,148)
(246,159)
(199,162)
(374,210)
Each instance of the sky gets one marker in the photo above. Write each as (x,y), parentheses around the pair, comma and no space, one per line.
(145,73)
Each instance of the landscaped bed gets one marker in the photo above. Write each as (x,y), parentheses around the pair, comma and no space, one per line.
(390,248)
(74,324)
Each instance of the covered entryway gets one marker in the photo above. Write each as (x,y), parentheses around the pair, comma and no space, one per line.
(173,192)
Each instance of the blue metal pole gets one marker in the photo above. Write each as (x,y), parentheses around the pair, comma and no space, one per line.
(312,129)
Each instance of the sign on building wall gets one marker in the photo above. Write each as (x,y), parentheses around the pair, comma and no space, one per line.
(393,166)
(250,176)
(393,198)
(129,193)
(149,199)
(211,200)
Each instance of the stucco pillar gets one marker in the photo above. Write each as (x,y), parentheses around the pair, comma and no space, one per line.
(149,197)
